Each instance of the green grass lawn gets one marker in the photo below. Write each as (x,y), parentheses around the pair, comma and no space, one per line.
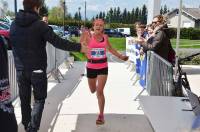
(120,45)
(117,43)
(186,43)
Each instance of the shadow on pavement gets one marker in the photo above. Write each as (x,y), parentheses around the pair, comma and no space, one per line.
(113,123)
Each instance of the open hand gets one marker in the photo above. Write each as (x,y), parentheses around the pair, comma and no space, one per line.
(84,48)
(140,41)
(124,57)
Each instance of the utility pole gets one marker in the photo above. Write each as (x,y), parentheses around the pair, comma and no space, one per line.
(153,9)
(15,7)
(178,37)
(85,14)
(79,15)
(64,17)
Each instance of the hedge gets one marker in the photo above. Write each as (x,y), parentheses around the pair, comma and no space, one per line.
(185,33)
(59,22)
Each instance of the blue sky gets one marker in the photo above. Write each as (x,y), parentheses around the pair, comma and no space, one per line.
(94,6)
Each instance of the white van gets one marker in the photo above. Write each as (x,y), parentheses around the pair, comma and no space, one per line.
(125,31)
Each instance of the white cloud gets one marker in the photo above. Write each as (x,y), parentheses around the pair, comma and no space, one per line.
(93,7)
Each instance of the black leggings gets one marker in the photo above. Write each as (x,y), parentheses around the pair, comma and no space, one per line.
(8,122)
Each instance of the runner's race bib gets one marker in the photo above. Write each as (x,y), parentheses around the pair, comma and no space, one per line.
(98,53)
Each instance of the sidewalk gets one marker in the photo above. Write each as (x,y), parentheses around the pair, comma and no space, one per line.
(70,107)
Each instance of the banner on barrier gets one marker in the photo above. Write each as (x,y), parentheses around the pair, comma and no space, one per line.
(132,49)
(143,70)
(140,61)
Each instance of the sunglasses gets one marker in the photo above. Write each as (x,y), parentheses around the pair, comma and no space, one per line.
(154,22)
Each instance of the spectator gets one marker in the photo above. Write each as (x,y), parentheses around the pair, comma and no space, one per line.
(28,35)
(7,116)
(137,24)
(141,32)
(45,19)
(161,43)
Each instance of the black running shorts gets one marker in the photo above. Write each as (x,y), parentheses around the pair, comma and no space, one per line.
(93,73)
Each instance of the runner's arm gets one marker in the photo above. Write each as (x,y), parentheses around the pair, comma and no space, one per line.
(114,52)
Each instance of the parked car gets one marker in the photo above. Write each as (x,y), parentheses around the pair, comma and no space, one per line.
(125,31)
(113,33)
(6,19)
(57,30)
(4,26)
(74,31)
(5,34)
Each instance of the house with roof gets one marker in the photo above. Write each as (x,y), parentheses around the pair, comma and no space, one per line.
(190,18)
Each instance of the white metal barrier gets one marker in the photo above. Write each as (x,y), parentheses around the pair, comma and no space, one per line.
(159,75)
(12,76)
(55,57)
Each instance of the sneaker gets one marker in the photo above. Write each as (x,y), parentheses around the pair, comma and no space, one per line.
(30,129)
(100,120)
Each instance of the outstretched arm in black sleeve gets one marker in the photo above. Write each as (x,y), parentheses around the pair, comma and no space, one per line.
(58,42)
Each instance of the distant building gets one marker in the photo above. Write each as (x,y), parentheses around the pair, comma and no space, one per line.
(190,18)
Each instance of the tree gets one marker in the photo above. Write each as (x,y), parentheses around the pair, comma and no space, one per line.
(140,15)
(110,13)
(128,17)
(118,15)
(10,13)
(100,15)
(56,13)
(97,16)
(69,16)
(133,16)
(79,14)
(165,9)
(137,14)
(124,16)
(103,15)
(63,6)
(107,17)
(115,15)
(144,14)
(76,16)
(161,10)
(93,19)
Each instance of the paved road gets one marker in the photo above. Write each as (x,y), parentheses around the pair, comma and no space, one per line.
(70,107)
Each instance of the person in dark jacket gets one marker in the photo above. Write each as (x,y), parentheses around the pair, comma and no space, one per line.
(161,42)
(8,121)
(28,35)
